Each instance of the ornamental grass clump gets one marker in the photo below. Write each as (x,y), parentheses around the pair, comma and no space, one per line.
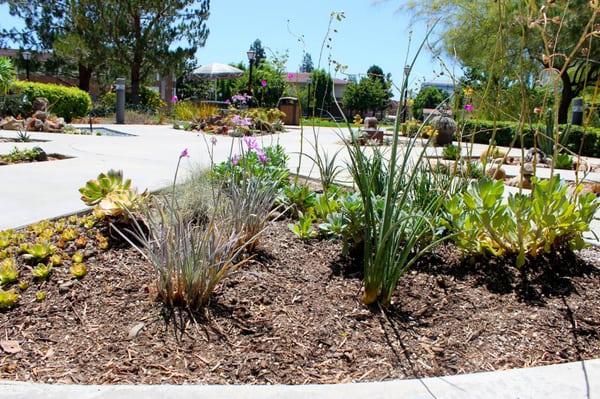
(251,207)
(189,260)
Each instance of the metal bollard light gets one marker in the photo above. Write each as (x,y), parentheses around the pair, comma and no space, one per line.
(120,89)
(577,118)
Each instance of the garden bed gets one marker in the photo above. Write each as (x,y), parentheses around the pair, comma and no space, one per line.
(293,315)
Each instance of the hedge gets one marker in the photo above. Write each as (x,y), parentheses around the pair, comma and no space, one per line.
(65,102)
(506,132)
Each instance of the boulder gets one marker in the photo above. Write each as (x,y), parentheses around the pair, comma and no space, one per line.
(41,115)
(10,123)
(52,127)
(40,104)
(34,125)
(40,155)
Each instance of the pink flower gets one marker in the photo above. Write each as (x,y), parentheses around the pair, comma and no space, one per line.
(263,83)
(213,140)
(291,76)
(469,107)
(262,157)
(239,121)
(251,143)
(537,110)
(174,99)
(235,160)
(184,154)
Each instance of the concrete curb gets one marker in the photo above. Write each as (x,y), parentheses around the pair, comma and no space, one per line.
(569,380)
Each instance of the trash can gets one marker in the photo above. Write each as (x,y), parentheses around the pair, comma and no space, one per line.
(291,108)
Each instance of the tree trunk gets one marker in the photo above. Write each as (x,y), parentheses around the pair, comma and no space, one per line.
(85,76)
(135,82)
(138,58)
(566,97)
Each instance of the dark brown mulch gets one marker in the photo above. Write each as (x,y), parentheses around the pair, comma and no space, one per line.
(293,315)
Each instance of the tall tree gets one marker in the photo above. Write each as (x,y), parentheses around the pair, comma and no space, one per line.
(375,72)
(367,95)
(307,64)
(75,30)
(510,37)
(144,31)
(259,52)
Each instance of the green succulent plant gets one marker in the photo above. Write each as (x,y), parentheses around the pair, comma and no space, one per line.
(78,270)
(120,203)
(8,299)
(42,271)
(98,189)
(77,257)
(40,296)
(39,251)
(69,234)
(8,271)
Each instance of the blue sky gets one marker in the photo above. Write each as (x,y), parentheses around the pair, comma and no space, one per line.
(372,33)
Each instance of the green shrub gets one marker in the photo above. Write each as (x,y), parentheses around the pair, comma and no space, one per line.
(150,101)
(526,225)
(66,102)
(451,152)
(580,139)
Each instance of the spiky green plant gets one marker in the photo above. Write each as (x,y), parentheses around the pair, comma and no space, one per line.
(189,260)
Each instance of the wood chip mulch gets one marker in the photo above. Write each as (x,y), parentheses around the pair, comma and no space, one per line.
(293,315)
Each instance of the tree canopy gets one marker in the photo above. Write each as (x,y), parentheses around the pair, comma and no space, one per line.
(514,40)
(114,36)
(259,52)
(428,97)
(367,95)
(307,64)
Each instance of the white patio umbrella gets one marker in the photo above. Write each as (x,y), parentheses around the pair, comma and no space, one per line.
(216,71)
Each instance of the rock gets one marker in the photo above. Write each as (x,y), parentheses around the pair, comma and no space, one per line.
(34,125)
(496,173)
(537,155)
(41,115)
(135,330)
(40,104)
(52,127)
(41,155)
(10,123)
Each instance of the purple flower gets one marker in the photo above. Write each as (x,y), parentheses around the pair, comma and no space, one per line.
(184,154)
(263,83)
(174,99)
(251,143)
(213,140)
(235,160)
(239,121)
(262,157)
(227,102)
(469,107)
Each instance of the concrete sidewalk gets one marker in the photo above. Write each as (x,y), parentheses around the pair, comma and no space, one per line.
(36,191)
(580,380)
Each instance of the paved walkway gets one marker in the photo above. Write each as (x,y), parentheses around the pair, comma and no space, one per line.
(565,381)
(32,192)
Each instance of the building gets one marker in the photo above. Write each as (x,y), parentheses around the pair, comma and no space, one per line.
(446,87)
(301,80)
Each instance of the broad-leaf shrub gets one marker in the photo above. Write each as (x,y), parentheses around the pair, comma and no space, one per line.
(526,225)
(65,102)
(584,140)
